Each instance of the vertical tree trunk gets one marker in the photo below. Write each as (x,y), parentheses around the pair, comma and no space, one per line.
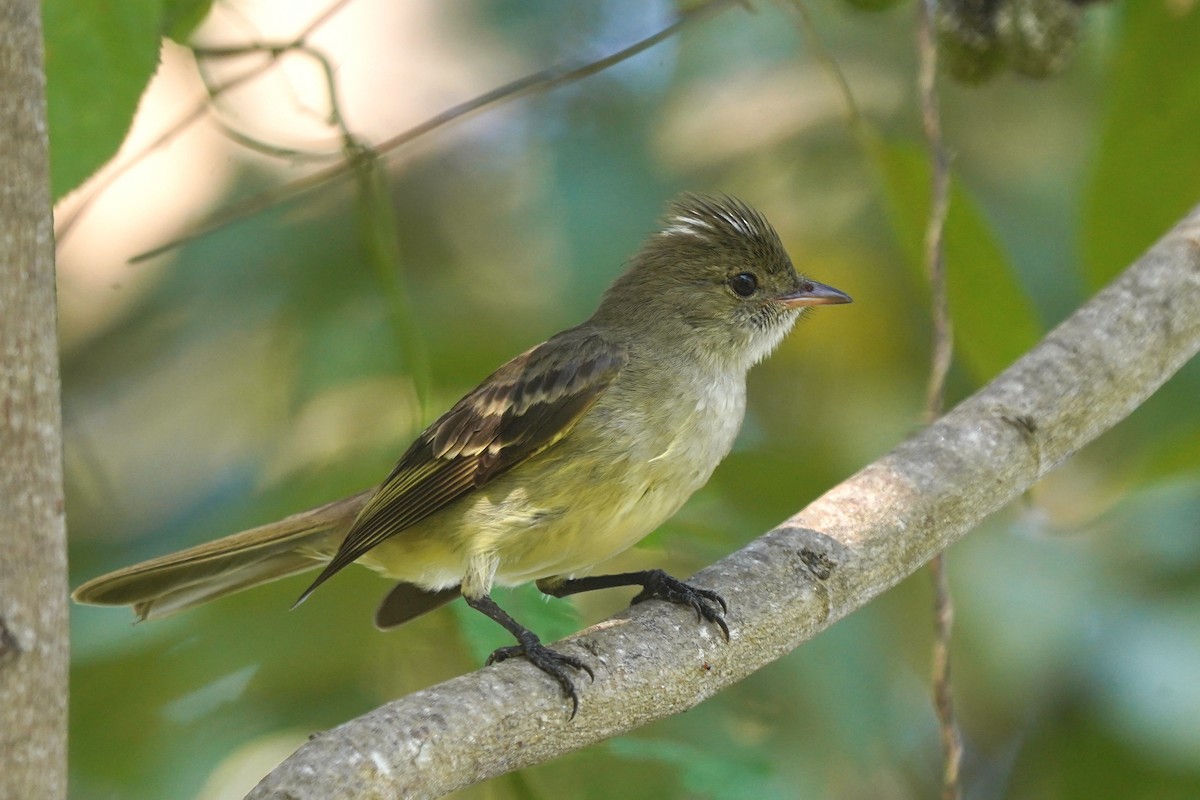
(33,592)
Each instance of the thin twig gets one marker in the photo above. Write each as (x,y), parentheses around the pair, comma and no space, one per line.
(942,348)
(808,29)
(376,216)
(66,223)
(943,342)
(333,117)
(541,81)
(274,150)
(942,354)
(381,246)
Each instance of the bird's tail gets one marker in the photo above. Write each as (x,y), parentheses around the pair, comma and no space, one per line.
(188,578)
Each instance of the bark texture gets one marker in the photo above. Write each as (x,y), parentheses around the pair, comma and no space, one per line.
(33,559)
(831,558)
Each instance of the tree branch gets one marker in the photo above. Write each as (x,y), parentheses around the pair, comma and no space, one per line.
(859,539)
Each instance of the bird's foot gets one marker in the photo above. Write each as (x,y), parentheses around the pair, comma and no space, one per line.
(706,603)
(551,662)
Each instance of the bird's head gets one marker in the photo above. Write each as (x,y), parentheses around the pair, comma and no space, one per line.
(715,277)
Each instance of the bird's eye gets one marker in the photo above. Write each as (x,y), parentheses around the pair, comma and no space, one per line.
(744,284)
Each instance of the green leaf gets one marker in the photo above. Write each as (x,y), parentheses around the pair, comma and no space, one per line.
(994,321)
(1147,168)
(182,17)
(100,55)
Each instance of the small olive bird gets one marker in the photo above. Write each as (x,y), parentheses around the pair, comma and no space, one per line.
(565,456)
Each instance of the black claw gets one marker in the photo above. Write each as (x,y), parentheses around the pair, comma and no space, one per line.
(551,662)
(548,661)
(705,602)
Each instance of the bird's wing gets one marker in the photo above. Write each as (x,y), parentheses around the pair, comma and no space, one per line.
(520,410)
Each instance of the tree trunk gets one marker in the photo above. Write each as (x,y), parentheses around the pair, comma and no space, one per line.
(33,556)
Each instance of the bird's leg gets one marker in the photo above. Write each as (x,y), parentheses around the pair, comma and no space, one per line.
(548,661)
(655,584)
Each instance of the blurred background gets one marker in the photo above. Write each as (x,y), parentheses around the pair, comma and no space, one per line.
(288,357)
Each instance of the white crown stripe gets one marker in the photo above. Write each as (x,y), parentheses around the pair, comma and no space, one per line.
(713,219)
(681,230)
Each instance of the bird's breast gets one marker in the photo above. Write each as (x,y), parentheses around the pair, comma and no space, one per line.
(632,470)
(627,467)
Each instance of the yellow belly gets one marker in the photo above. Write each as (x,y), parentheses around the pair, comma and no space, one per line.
(532,534)
(566,509)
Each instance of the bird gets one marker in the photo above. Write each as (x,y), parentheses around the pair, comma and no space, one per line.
(565,456)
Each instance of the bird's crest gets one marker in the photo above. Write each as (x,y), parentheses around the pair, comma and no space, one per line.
(716,219)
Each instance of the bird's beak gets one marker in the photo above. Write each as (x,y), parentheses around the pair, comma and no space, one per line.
(811,293)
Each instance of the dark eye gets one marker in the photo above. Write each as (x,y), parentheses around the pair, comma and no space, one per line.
(744,284)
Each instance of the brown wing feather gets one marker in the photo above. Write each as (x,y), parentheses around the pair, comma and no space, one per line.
(521,409)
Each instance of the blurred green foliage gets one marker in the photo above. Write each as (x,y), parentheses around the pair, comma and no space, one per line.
(1153,103)
(99,57)
(981,285)
(269,367)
